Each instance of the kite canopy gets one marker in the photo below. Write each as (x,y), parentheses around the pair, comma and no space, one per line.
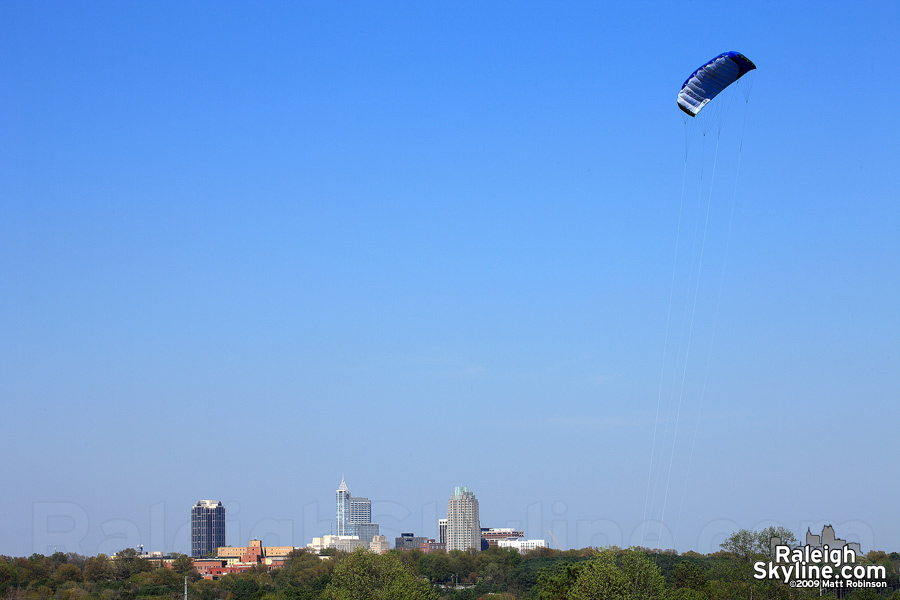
(705,83)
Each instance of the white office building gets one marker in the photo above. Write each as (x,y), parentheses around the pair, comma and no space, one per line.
(522,545)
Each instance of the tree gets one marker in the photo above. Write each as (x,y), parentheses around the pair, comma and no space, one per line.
(71,591)
(765,537)
(610,575)
(410,558)
(67,572)
(435,566)
(363,576)
(556,583)
(601,579)
(241,588)
(128,563)
(741,543)
(495,564)
(645,581)
(37,566)
(76,559)
(207,589)
(301,567)
(462,564)
(7,574)
(56,559)
(98,568)
(687,594)
(688,575)
(184,566)
(865,594)
(748,545)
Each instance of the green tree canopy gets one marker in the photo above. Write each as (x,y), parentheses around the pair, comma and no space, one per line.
(184,566)
(600,579)
(645,581)
(98,568)
(67,572)
(688,575)
(367,576)
(747,544)
(435,566)
(301,567)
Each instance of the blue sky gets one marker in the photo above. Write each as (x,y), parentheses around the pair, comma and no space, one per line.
(246,249)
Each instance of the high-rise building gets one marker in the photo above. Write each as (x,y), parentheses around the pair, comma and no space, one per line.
(360,510)
(207,528)
(463,525)
(343,509)
(366,531)
(442,531)
(354,515)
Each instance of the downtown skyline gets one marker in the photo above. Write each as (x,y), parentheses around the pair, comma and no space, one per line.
(244,249)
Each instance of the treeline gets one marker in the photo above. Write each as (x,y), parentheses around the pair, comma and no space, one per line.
(498,573)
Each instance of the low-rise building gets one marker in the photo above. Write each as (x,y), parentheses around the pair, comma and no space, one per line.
(522,545)
(344,543)
(409,541)
(254,552)
(237,559)
(379,544)
(495,534)
(433,546)
(212,568)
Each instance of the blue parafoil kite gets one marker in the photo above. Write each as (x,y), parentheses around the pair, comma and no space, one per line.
(705,83)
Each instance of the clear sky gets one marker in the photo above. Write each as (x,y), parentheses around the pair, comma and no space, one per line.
(248,248)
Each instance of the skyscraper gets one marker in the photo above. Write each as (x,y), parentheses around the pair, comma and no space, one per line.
(360,510)
(343,509)
(354,515)
(361,519)
(207,528)
(463,524)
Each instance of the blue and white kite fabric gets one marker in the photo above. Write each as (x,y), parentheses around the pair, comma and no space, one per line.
(705,83)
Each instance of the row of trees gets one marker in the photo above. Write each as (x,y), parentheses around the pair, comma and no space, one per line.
(496,573)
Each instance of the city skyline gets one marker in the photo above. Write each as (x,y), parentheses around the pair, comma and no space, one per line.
(274,532)
(431,244)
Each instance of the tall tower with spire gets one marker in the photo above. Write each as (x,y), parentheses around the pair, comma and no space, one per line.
(354,515)
(344,526)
